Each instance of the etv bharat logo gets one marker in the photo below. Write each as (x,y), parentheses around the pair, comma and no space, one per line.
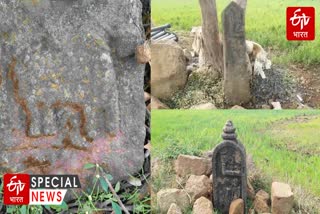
(16,189)
(24,189)
(300,23)
(15,186)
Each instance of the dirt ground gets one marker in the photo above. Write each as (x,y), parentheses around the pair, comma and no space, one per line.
(306,80)
(308,83)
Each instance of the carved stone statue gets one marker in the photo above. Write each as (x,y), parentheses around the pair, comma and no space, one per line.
(229,170)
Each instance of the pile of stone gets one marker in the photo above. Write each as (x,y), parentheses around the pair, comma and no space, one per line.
(220,181)
(198,189)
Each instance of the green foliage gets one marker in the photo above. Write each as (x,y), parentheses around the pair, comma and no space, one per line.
(60,208)
(175,148)
(140,205)
(87,201)
(96,195)
(30,209)
(116,208)
(89,166)
(301,137)
(104,184)
(265,24)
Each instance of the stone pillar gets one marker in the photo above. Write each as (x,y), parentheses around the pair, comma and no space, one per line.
(236,76)
(229,170)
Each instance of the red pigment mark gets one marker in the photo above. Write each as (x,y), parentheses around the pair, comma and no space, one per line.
(83,119)
(69,125)
(73,160)
(19,99)
(31,162)
(23,103)
(40,105)
(67,144)
(27,143)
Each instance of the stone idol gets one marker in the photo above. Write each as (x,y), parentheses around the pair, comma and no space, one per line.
(229,170)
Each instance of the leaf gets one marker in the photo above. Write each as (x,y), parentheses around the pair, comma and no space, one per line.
(134,181)
(56,208)
(89,166)
(117,188)
(95,179)
(23,209)
(104,184)
(109,177)
(10,209)
(116,208)
(64,205)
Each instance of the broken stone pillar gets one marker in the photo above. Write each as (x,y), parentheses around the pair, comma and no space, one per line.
(229,170)
(236,75)
(71,90)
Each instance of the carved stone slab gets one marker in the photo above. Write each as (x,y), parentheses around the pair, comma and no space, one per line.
(229,170)
(236,76)
(71,91)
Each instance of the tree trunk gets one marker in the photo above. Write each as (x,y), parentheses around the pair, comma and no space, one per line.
(210,32)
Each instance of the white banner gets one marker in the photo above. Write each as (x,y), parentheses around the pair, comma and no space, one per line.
(47,196)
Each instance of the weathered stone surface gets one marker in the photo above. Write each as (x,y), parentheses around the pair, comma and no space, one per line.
(174,209)
(281,198)
(169,69)
(203,206)
(265,106)
(250,190)
(261,202)
(71,90)
(237,207)
(168,196)
(198,186)
(187,54)
(236,77)
(204,106)
(157,104)
(236,107)
(192,165)
(229,170)
(143,53)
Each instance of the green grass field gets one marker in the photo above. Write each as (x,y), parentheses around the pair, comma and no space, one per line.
(284,144)
(265,24)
